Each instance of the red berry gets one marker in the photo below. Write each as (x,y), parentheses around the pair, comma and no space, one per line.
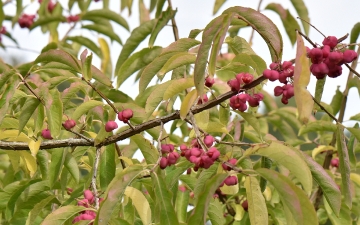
(89,196)
(243,97)
(231,161)
(316,55)
(26,20)
(234,84)
(242,107)
(166,148)
(286,65)
(3,30)
(349,56)
(326,51)
(288,91)
(278,91)
(182,188)
(209,140)
(335,162)
(247,78)
(127,114)
(231,180)
(68,124)
(196,152)
(72,18)
(284,100)
(213,153)
(319,70)
(331,41)
(84,202)
(163,163)
(203,99)
(206,161)
(51,5)
(253,102)
(335,57)
(209,81)
(110,126)
(245,205)
(274,66)
(46,134)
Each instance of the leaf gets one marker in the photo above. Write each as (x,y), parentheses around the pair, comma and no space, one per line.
(201,60)
(46,21)
(289,22)
(292,197)
(57,160)
(326,183)
(136,37)
(105,30)
(161,22)
(147,149)
(303,97)
(100,77)
(264,26)
(135,62)
(59,56)
(38,208)
(27,111)
(54,112)
(239,45)
(202,202)
(319,91)
(256,202)
(355,132)
(181,45)
(107,166)
(317,126)
(107,14)
(215,212)
(256,62)
(62,214)
(141,204)
(200,182)
(30,162)
(72,166)
(354,34)
(303,13)
(177,60)
(351,145)
(87,43)
(34,146)
(252,120)
(106,65)
(344,165)
(285,156)
(178,86)
(217,5)
(187,103)
(115,191)
(84,108)
(155,97)
(163,203)
(343,218)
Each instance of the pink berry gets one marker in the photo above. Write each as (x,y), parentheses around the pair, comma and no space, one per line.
(196,152)
(128,113)
(278,91)
(319,70)
(247,78)
(286,65)
(213,153)
(335,57)
(209,140)
(163,163)
(172,158)
(68,124)
(274,66)
(231,180)
(89,196)
(243,97)
(183,147)
(72,18)
(316,55)
(326,51)
(182,188)
(245,205)
(231,161)
(46,134)
(51,5)
(84,202)
(26,20)
(274,75)
(242,107)
(349,56)
(289,91)
(234,84)
(206,161)
(284,100)
(203,99)
(110,126)
(334,162)
(166,148)
(253,102)
(209,82)
(331,41)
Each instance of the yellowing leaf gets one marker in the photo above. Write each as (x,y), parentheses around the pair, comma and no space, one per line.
(34,146)
(12,135)
(320,149)
(187,103)
(257,206)
(30,162)
(230,190)
(303,97)
(141,204)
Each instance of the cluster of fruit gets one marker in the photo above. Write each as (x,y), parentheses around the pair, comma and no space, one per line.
(327,60)
(87,202)
(124,116)
(169,156)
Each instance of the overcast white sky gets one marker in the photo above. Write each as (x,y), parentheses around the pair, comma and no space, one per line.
(331,17)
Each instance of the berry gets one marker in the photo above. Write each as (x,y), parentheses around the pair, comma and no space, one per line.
(335,162)
(316,55)
(231,161)
(172,158)
(231,180)
(326,51)
(209,81)
(274,66)
(51,5)
(163,163)
(110,126)
(125,115)
(213,153)
(319,70)
(284,100)
(72,18)
(247,78)
(272,75)
(182,188)
(68,124)
(234,84)
(278,91)
(288,91)
(209,140)
(88,195)
(203,99)
(349,56)
(46,134)
(3,30)
(335,57)
(286,65)
(245,205)
(26,20)
(166,148)
(84,202)
(254,101)
(331,41)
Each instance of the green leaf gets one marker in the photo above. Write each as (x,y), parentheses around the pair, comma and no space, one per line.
(148,150)
(84,108)
(87,43)
(136,37)
(59,56)
(141,204)
(203,201)
(215,212)
(27,111)
(289,22)
(161,22)
(181,205)
(166,213)
(181,45)
(239,45)
(326,183)
(115,191)
(201,60)
(217,5)
(351,144)
(303,13)
(252,120)
(264,26)
(344,165)
(54,112)
(256,202)
(292,197)
(105,30)
(178,86)
(354,131)
(177,60)
(72,166)
(135,62)
(344,218)
(317,126)
(354,34)
(107,166)
(155,97)
(38,208)
(57,161)
(355,117)
(107,14)
(285,156)
(100,76)
(256,62)
(319,91)
(87,68)
(201,180)
(187,103)
(62,214)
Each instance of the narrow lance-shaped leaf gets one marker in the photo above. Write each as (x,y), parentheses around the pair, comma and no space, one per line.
(86,42)
(72,166)
(162,21)
(54,112)
(86,68)
(106,65)
(256,202)
(264,26)
(57,160)
(292,197)
(188,102)
(303,98)
(316,126)
(105,30)
(181,45)
(178,86)
(84,108)
(141,204)
(289,22)
(303,13)
(181,205)
(147,149)
(217,5)
(201,60)
(352,143)
(59,216)
(27,111)
(319,91)
(355,31)
(215,212)
(108,14)
(59,56)
(344,165)
(177,60)
(107,166)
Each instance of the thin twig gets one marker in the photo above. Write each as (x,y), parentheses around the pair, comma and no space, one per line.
(173,22)
(119,155)
(235,143)
(197,132)
(93,179)
(307,38)
(352,70)
(159,147)
(327,112)
(80,135)
(311,26)
(30,89)
(22,49)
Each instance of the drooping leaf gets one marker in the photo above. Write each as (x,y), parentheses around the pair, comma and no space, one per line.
(181,205)
(303,13)
(256,202)
(54,112)
(141,204)
(303,97)
(161,22)
(200,182)
(47,20)
(57,161)
(343,218)
(315,126)
(181,45)
(107,166)
(215,212)
(105,30)
(319,91)
(352,143)
(72,166)
(217,5)
(252,120)
(30,162)
(135,62)
(59,56)
(177,60)
(86,42)
(354,34)
(147,149)
(292,197)
(187,103)
(344,165)
(256,62)
(239,45)
(62,214)
(38,208)
(285,156)
(289,22)
(264,26)
(155,97)
(27,111)
(178,86)
(108,14)
(84,108)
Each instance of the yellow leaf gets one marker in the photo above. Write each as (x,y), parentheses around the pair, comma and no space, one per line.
(105,55)
(187,103)
(303,97)
(230,190)
(12,135)
(141,204)
(30,162)
(320,149)
(34,146)
(14,157)
(126,160)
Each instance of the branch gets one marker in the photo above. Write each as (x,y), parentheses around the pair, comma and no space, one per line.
(93,178)
(72,142)
(174,26)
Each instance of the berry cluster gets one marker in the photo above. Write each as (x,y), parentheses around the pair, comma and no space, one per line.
(239,101)
(124,116)
(287,91)
(203,99)
(26,20)
(230,161)
(72,18)
(199,156)
(88,202)
(327,60)
(169,156)
(239,80)
(230,181)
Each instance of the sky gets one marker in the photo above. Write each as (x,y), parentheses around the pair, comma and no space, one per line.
(331,17)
